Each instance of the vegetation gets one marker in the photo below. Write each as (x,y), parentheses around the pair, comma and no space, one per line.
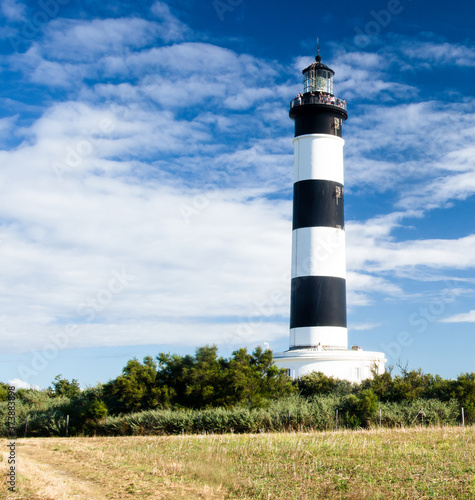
(3,392)
(63,388)
(435,462)
(202,381)
(245,393)
(293,414)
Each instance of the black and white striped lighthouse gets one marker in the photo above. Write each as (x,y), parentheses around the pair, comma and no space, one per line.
(318,324)
(318,288)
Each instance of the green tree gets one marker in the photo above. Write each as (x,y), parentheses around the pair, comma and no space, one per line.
(64,388)
(171,379)
(410,386)
(205,379)
(465,392)
(97,410)
(135,389)
(381,383)
(367,402)
(316,383)
(360,407)
(86,410)
(254,379)
(3,391)
(439,388)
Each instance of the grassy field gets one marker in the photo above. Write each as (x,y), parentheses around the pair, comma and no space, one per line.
(405,463)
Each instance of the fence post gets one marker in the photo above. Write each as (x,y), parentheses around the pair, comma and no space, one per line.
(289,422)
(422,414)
(26,424)
(463,417)
(67,425)
(379,417)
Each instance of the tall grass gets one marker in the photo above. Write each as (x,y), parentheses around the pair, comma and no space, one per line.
(406,413)
(45,415)
(293,414)
(47,418)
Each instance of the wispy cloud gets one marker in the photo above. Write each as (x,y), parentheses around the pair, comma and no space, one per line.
(188,189)
(13,10)
(364,326)
(171,28)
(374,249)
(460,318)
(86,41)
(361,286)
(432,54)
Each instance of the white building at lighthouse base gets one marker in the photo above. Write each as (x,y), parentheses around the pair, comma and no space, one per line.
(353,364)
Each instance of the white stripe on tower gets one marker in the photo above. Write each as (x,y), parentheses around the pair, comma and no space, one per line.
(318,156)
(318,288)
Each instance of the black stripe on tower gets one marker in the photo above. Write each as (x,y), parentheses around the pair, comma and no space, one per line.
(318,203)
(318,301)
(318,119)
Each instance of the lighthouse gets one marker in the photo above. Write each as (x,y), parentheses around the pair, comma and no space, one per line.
(318,321)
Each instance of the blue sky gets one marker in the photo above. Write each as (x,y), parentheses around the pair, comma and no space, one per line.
(146,173)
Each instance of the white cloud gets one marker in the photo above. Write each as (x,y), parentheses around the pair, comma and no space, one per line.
(20,384)
(13,10)
(64,254)
(73,49)
(195,250)
(460,318)
(85,41)
(192,332)
(7,127)
(361,285)
(421,152)
(441,191)
(171,28)
(364,326)
(433,53)
(375,250)
(182,192)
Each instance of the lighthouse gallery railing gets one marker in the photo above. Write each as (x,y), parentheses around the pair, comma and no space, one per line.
(317,99)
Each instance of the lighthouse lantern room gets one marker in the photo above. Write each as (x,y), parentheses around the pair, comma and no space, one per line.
(318,77)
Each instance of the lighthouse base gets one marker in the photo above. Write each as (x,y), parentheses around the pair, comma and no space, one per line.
(353,364)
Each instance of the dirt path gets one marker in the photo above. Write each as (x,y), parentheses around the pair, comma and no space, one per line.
(63,469)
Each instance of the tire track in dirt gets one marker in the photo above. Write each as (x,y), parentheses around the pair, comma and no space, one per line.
(53,469)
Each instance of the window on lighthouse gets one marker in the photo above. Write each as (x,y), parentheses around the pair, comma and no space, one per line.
(318,80)
(321,81)
(309,77)
(330,83)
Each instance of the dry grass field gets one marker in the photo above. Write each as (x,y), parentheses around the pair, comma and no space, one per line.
(405,463)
